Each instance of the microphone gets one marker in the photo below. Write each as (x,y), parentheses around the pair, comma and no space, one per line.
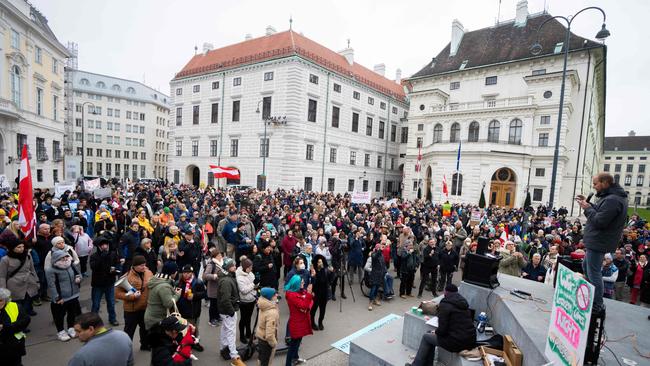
(589,196)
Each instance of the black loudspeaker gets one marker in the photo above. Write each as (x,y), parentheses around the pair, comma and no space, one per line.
(481,270)
(483,244)
(573,264)
(594,338)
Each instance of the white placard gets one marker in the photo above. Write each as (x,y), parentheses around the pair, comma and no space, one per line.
(102,192)
(93,184)
(60,188)
(71,168)
(361,197)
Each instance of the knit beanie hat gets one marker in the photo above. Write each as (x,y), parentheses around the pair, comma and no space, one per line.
(267,292)
(451,288)
(138,260)
(169,268)
(227,263)
(57,239)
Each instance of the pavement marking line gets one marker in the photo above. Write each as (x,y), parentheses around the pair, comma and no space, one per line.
(343,345)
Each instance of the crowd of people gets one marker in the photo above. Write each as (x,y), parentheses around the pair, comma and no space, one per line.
(176,248)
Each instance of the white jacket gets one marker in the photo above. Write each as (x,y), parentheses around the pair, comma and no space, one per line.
(245,282)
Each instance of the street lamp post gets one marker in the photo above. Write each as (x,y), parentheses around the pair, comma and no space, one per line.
(265,151)
(536,49)
(83,135)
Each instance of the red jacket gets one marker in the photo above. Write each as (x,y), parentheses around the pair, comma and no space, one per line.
(288,245)
(299,318)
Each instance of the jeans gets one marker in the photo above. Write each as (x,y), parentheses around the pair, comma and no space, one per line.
(426,351)
(388,285)
(292,353)
(592,266)
(373,292)
(109,293)
(133,319)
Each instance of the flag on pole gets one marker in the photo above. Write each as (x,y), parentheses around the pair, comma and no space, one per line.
(458,157)
(418,164)
(444,186)
(26,214)
(223,172)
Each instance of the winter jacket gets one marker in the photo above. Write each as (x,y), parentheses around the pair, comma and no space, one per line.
(101,263)
(211,274)
(68,249)
(10,345)
(61,282)
(288,245)
(150,256)
(163,348)
(229,232)
(83,244)
(610,274)
(532,272)
(267,322)
(623,268)
(322,280)
(228,295)
(378,270)
(299,317)
(191,254)
(429,258)
(246,285)
(455,330)
(25,281)
(139,282)
(511,265)
(267,276)
(448,260)
(161,299)
(355,257)
(605,220)
(410,260)
(129,241)
(191,309)
(459,238)
(645,285)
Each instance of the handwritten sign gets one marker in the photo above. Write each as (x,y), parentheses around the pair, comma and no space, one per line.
(93,184)
(570,317)
(361,197)
(60,188)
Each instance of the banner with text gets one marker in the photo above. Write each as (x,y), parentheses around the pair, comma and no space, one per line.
(93,184)
(361,197)
(570,317)
(60,188)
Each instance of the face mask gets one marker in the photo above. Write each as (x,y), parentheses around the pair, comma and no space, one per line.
(64,263)
(300,266)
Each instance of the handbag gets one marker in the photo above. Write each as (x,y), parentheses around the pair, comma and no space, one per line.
(429,307)
(176,314)
(368,266)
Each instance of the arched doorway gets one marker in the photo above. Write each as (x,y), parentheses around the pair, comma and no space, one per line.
(193,175)
(503,188)
(428,184)
(234,180)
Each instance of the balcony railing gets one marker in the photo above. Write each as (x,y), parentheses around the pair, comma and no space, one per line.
(8,108)
(42,156)
(469,142)
(483,104)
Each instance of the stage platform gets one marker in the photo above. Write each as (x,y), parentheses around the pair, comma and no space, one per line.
(526,321)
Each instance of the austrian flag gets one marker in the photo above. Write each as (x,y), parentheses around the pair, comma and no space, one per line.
(26,214)
(223,172)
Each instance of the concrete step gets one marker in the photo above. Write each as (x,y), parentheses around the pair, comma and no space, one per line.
(382,347)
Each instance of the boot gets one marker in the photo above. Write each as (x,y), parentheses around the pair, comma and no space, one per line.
(377,302)
(313,326)
(370,306)
(343,296)
(237,362)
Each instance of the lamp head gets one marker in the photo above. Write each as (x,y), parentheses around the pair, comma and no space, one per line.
(603,33)
(536,48)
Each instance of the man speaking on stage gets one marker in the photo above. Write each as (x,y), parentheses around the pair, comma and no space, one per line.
(605,222)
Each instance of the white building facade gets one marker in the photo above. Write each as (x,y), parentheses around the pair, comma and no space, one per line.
(331,124)
(31,94)
(121,127)
(626,158)
(487,95)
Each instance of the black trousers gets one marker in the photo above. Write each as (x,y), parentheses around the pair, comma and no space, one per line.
(426,351)
(133,319)
(406,283)
(71,308)
(213,311)
(84,264)
(427,274)
(246,313)
(339,277)
(319,303)
(265,351)
(445,279)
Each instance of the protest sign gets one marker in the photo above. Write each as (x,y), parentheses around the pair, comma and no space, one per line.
(102,193)
(93,184)
(361,197)
(60,188)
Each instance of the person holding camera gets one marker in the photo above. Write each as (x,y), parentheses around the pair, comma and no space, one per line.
(103,264)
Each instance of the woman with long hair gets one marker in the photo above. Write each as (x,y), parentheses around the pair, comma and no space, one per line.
(299,301)
(169,251)
(211,275)
(247,297)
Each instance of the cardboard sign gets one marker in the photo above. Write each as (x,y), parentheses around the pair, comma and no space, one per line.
(570,317)
(93,184)
(71,166)
(475,217)
(60,188)
(361,197)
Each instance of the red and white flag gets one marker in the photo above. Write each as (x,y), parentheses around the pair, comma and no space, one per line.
(444,186)
(223,172)
(418,164)
(26,214)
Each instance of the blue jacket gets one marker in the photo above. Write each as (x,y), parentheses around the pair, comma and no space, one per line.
(229,232)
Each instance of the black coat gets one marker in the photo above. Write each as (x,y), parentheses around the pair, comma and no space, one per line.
(429,258)
(322,280)
(9,345)
(129,241)
(378,269)
(448,260)
(151,257)
(267,276)
(606,219)
(455,330)
(101,263)
(645,285)
(191,254)
(163,348)
(191,309)
(228,295)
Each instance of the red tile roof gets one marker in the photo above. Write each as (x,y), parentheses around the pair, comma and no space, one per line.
(286,44)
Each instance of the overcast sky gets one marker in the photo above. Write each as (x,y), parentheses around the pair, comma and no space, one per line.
(151,40)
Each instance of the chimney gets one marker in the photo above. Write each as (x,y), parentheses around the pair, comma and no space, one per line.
(348,53)
(398,76)
(207,47)
(457,32)
(631,133)
(380,69)
(248,36)
(522,13)
(270,30)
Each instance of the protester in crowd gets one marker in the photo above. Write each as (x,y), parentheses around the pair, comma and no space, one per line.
(623,266)
(409,264)
(299,301)
(448,258)
(147,251)
(189,302)
(534,270)
(13,323)
(63,279)
(228,303)
(267,325)
(128,242)
(320,277)
(355,256)
(135,300)
(455,331)
(264,267)
(102,346)
(104,264)
(18,274)
(429,268)
(605,221)
(58,243)
(247,298)
(83,245)
(162,295)
(169,347)
(213,269)
(512,261)
(189,251)
(610,274)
